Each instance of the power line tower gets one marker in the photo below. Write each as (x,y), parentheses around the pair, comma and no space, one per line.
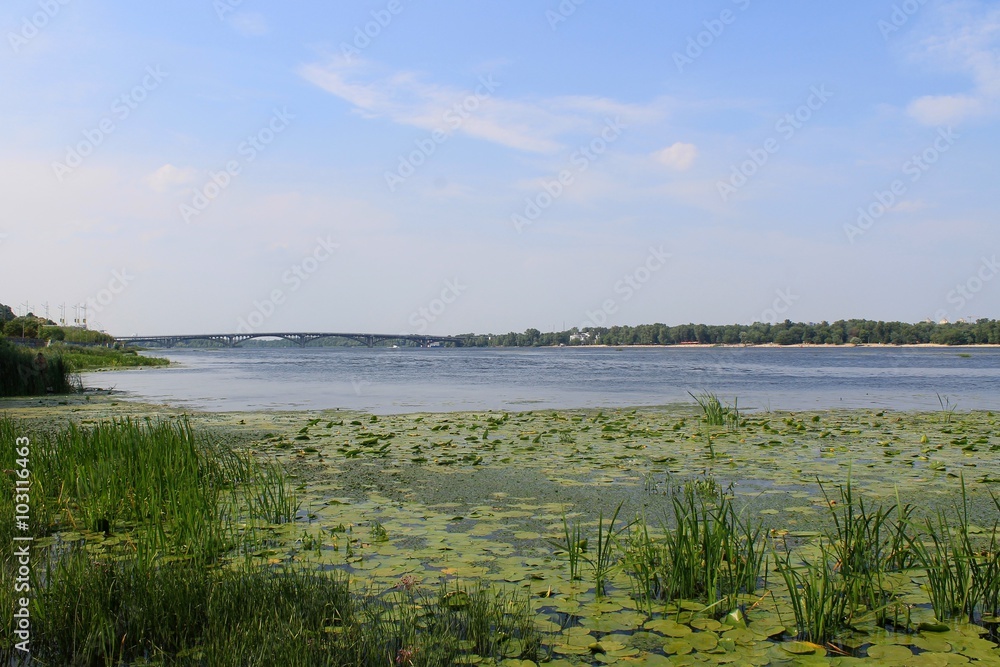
(62,315)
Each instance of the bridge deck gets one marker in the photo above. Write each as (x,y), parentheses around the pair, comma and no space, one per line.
(299,338)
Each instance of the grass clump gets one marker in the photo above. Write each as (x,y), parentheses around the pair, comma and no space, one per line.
(153,559)
(963,573)
(854,580)
(21,374)
(710,553)
(97,611)
(91,358)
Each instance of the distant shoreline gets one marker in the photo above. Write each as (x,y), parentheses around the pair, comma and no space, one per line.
(793,346)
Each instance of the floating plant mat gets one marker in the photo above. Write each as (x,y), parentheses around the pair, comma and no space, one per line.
(487,496)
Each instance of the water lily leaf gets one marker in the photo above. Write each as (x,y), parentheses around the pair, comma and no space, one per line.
(677,647)
(932,643)
(928,660)
(706,624)
(668,628)
(890,653)
(800,648)
(933,627)
(703,641)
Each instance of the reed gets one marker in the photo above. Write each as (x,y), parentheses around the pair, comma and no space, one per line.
(605,560)
(821,600)
(20,374)
(709,553)
(175,584)
(573,545)
(869,545)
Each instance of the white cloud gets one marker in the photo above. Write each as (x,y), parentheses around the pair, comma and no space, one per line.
(679,156)
(250,24)
(969,44)
(480,111)
(169,177)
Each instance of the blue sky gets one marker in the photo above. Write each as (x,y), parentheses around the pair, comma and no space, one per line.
(404,166)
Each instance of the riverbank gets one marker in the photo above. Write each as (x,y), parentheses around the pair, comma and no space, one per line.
(452,497)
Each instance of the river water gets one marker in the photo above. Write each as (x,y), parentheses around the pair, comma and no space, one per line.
(386,380)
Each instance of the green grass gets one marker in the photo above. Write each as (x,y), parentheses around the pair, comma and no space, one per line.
(98,611)
(98,358)
(821,598)
(155,528)
(573,545)
(709,553)
(963,572)
(20,374)
(717,414)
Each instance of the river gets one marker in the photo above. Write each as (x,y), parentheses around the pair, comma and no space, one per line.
(387,380)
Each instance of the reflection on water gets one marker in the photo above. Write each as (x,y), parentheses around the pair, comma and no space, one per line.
(384,380)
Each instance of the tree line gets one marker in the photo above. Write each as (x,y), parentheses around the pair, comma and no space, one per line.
(841,332)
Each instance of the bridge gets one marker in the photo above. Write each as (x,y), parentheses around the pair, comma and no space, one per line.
(300,339)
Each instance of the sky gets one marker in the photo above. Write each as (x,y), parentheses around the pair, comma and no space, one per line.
(448,167)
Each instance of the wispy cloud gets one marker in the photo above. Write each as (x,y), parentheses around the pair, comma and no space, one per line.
(250,24)
(678,156)
(531,125)
(969,43)
(169,177)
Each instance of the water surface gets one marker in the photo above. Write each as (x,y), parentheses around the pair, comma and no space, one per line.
(387,381)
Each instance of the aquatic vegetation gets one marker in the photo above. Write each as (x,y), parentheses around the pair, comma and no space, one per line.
(22,375)
(573,544)
(947,407)
(963,578)
(868,546)
(820,597)
(709,554)
(605,561)
(787,547)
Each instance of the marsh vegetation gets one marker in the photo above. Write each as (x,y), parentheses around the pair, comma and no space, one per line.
(580,537)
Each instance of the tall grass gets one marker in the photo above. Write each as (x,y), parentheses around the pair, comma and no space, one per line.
(963,573)
(851,580)
(605,560)
(717,414)
(95,611)
(20,375)
(573,545)
(91,358)
(820,598)
(869,544)
(175,584)
(709,553)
